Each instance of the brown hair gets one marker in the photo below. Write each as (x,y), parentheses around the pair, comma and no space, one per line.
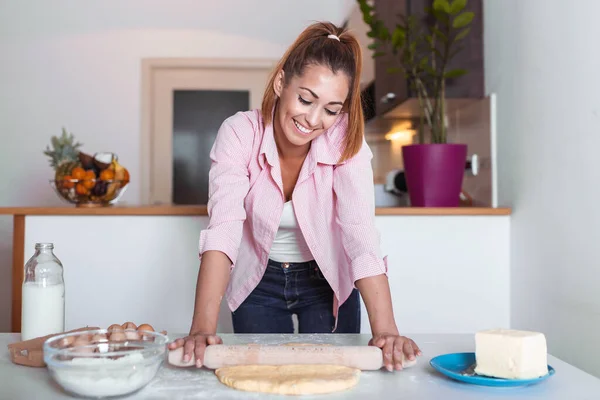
(313,46)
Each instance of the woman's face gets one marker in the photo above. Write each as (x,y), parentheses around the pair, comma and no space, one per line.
(309,104)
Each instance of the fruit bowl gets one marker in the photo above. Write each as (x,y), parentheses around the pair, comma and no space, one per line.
(98,364)
(89,192)
(86,180)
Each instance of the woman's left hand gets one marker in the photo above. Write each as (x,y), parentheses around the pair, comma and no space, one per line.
(392,347)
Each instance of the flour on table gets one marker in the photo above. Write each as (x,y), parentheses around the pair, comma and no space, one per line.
(190,383)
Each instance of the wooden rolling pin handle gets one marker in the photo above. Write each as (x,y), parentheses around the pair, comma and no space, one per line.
(216,356)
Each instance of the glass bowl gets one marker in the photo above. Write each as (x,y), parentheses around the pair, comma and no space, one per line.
(89,192)
(101,363)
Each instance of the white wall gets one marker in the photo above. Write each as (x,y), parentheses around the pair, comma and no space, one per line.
(542,62)
(77,64)
(357,26)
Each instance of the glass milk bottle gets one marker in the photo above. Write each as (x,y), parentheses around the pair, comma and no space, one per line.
(43,299)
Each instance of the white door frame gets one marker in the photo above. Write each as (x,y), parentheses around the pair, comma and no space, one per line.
(150,66)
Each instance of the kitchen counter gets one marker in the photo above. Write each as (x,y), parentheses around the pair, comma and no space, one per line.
(419,382)
(440,251)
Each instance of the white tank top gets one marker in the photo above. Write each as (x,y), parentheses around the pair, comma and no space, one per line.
(289,244)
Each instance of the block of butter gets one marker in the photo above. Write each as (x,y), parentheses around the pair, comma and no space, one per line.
(510,354)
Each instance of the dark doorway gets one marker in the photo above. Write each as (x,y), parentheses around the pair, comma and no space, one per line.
(197,116)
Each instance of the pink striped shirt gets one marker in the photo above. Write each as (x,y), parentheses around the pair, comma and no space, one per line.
(334,205)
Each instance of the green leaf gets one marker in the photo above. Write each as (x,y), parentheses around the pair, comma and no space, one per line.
(440,34)
(463,19)
(461,35)
(441,17)
(455,73)
(378,54)
(457,6)
(413,48)
(366,9)
(394,70)
(373,46)
(454,52)
(441,5)
(398,37)
(364,6)
(432,72)
(381,30)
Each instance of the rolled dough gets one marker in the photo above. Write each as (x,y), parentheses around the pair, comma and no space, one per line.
(289,379)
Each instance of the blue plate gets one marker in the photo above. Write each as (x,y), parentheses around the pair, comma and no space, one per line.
(453,364)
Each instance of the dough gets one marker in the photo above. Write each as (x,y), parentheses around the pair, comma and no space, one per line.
(289,379)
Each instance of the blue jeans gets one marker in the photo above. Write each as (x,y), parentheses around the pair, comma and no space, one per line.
(295,288)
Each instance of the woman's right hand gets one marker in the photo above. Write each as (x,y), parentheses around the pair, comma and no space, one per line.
(195,344)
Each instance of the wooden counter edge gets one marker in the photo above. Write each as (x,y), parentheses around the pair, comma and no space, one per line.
(201,210)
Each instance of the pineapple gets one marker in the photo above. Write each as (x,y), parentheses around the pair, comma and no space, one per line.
(63,155)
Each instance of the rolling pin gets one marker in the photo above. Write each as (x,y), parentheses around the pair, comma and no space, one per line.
(366,358)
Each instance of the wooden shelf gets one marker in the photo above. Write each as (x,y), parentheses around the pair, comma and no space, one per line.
(201,210)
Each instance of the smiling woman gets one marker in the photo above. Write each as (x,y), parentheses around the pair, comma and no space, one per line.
(303,114)
(291,207)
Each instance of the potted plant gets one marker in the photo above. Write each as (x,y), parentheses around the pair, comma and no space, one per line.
(424,48)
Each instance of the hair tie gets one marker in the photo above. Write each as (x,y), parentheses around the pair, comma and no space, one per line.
(332,36)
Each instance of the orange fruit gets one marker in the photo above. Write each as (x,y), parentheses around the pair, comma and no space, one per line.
(67,184)
(125,180)
(90,174)
(89,183)
(78,173)
(81,189)
(107,174)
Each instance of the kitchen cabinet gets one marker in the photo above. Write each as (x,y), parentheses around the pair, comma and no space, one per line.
(392,90)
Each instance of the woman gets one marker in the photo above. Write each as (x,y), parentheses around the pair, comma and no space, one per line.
(292,209)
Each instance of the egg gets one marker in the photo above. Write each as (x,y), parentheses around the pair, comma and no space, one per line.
(132,335)
(82,341)
(99,338)
(144,330)
(118,336)
(129,325)
(130,331)
(145,327)
(66,342)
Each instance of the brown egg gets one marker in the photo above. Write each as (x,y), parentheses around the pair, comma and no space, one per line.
(99,338)
(82,341)
(118,336)
(144,330)
(114,327)
(66,342)
(130,331)
(129,325)
(145,327)
(132,335)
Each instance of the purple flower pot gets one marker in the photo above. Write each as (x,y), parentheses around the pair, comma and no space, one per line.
(434,173)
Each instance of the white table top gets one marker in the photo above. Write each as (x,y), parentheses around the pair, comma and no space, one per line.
(419,382)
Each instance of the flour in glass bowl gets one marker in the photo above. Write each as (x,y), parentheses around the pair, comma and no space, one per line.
(102,381)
